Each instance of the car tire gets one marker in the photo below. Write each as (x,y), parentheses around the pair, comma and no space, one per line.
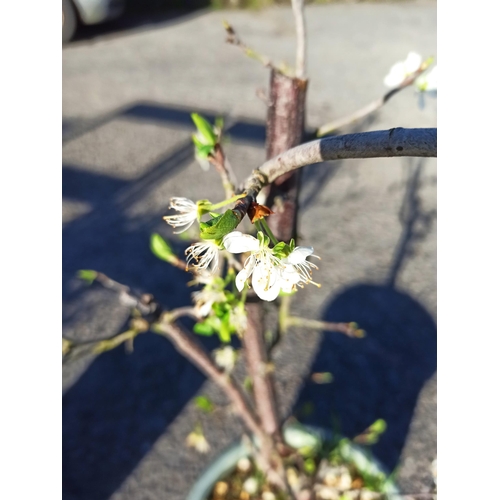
(68,21)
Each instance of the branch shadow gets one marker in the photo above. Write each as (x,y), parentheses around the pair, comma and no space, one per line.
(381,375)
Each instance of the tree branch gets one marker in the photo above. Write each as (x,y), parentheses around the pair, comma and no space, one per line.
(190,348)
(330,127)
(349,329)
(220,162)
(300,27)
(399,141)
(258,370)
(234,39)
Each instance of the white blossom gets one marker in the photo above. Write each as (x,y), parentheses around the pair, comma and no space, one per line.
(400,71)
(196,439)
(203,254)
(262,265)
(225,357)
(269,273)
(238,318)
(296,269)
(205,299)
(188,213)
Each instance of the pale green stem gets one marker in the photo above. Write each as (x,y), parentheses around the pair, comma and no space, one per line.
(227,202)
(262,225)
(350,329)
(107,345)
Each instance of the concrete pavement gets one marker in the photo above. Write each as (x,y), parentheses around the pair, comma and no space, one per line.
(127,150)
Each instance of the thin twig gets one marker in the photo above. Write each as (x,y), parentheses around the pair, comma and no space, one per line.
(235,40)
(219,161)
(349,329)
(300,27)
(330,127)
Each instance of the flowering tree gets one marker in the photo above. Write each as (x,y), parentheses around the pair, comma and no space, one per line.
(237,270)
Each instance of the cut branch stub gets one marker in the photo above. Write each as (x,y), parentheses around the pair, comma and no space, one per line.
(285,129)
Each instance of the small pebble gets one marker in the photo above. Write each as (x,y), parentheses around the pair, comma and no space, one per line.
(292,477)
(251,485)
(221,488)
(268,495)
(327,493)
(345,480)
(244,464)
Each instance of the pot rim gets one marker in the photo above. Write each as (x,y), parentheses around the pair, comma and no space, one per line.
(226,461)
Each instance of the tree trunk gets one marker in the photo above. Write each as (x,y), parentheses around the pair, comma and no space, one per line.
(284,130)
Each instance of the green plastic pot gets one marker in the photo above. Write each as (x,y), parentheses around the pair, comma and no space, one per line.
(227,460)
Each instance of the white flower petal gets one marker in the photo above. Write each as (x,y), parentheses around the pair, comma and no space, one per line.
(245,273)
(237,242)
(289,277)
(299,255)
(396,75)
(413,62)
(266,280)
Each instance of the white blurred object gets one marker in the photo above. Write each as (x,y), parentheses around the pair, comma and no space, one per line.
(403,69)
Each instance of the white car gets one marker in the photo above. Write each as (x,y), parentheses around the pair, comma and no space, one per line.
(87,12)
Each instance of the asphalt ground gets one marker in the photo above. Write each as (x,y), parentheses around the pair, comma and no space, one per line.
(127,97)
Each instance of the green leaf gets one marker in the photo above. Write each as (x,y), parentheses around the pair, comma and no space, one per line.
(203,328)
(371,435)
(225,330)
(87,275)
(379,426)
(204,404)
(204,151)
(218,227)
(205,129)
(281,250)
(161,248)
(300,438)
(219,123)
(309,466)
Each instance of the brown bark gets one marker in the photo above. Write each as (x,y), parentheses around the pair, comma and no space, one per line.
(259,370)
(285,129)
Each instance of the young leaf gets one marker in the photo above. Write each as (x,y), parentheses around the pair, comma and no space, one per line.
(203,328)
(205,129)
(218,227)
(87,275)
(204,404)
(160,248)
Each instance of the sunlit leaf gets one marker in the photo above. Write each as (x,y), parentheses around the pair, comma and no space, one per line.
(160,248)
(205,129)
(87,275)
(204,404)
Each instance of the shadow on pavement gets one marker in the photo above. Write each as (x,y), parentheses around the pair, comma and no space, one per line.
(381,375)
(123,402)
